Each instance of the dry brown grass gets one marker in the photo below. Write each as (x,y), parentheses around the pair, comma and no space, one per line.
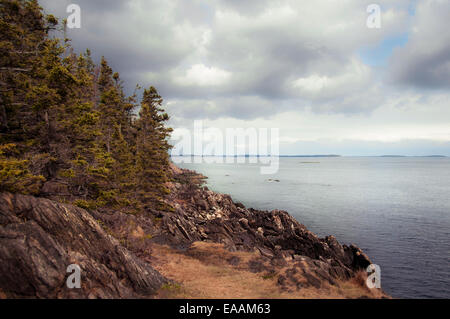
(207,271)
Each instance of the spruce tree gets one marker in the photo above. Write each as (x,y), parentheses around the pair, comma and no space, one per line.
(116,138)
(152,151)
(86,166)
(66,121)
(28,66)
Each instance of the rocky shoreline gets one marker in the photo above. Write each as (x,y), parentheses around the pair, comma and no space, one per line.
(39,238)
(203,215)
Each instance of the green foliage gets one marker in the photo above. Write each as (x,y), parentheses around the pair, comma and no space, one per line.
(65,119)
(171,287)
(15,176)
(152,150)
(85,204)
(270,275)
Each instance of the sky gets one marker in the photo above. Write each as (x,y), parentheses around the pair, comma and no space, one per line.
(313,69)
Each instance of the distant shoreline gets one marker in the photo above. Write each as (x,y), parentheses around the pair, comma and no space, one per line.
(314,156)
(256,156)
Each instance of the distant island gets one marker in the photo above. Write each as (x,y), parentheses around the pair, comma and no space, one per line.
(330,155)
(412,156)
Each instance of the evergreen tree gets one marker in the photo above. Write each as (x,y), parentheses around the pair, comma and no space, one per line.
(86,165)
(116,137)
(67,121)
(28,64)
(152,151)
(15,175)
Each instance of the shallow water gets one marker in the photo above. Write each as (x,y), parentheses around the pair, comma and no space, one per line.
(396,209)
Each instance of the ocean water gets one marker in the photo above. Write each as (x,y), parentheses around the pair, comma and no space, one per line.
(396,209)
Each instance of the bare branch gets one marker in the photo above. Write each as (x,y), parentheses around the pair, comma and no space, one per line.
(15,69)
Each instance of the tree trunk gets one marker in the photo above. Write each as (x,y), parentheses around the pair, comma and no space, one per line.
(3,118)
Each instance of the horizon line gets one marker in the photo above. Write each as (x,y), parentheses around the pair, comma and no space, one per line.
(306,155)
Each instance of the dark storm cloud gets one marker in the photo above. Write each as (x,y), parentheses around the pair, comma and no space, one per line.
(424,62)
(134,42)
(428,71)
(102,5)
(59,6)
(291,64)
(244,107)
(263,59)
(243,59)
(249,7)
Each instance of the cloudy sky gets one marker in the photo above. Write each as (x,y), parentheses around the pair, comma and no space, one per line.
(311,68)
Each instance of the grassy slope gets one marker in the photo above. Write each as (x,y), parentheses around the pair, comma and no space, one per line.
(207,270)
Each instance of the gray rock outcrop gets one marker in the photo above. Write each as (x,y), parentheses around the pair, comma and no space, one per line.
(40,238)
